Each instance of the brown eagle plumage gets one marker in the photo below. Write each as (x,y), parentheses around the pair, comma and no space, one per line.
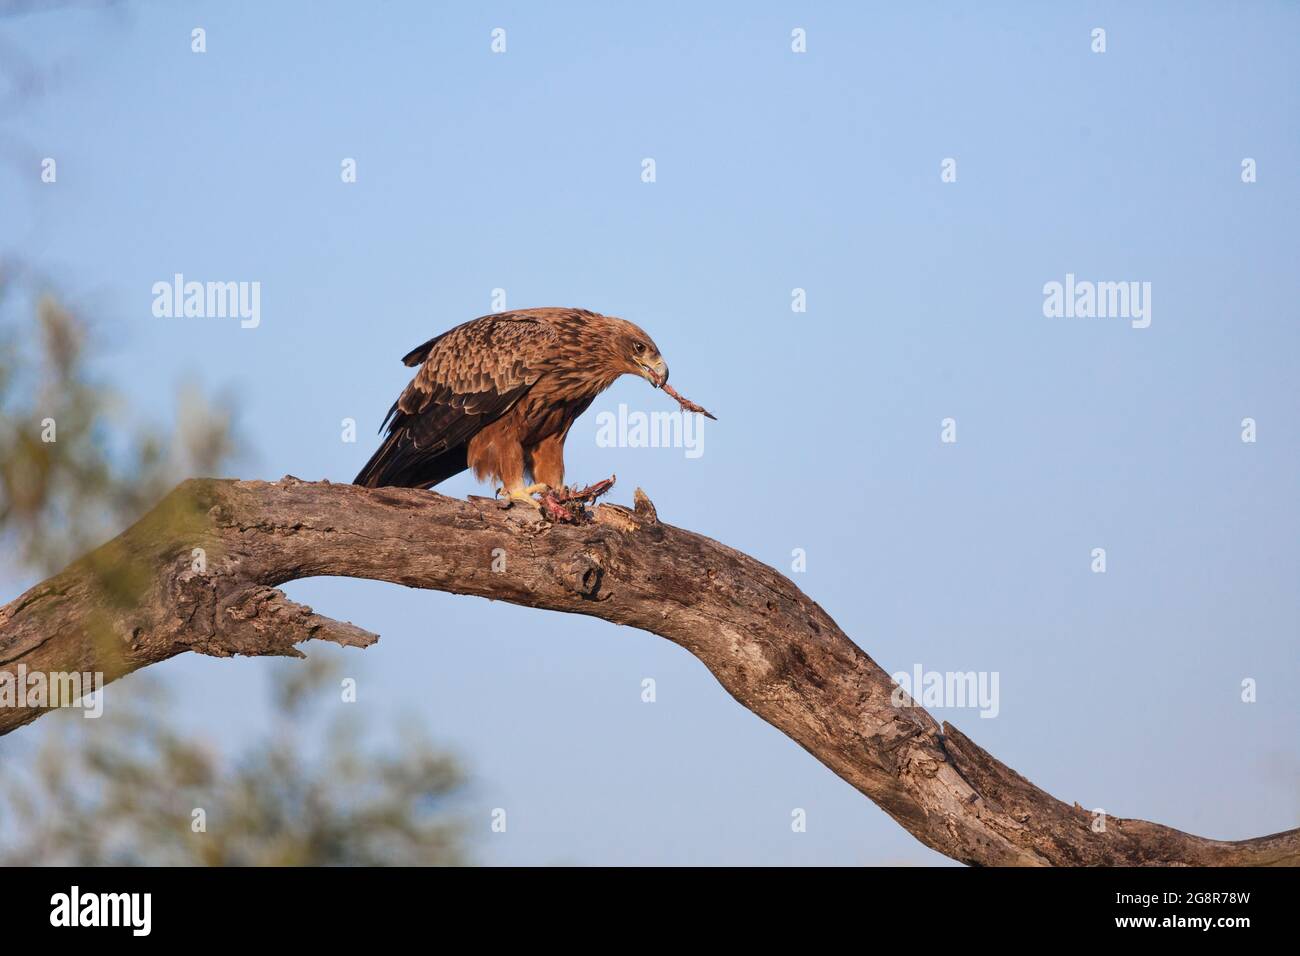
(499,393)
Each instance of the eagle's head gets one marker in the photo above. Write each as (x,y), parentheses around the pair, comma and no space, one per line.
(636,353)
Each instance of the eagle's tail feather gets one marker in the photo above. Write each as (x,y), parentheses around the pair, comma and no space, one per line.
(398,463)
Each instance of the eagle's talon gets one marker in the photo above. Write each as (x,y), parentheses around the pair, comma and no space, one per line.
(519,496)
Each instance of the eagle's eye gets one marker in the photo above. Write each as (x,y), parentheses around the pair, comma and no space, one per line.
(638,347)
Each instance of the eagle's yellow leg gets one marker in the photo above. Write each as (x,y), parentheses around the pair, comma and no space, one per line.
(524,494)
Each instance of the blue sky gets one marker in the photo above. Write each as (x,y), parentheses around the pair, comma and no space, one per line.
(775,171)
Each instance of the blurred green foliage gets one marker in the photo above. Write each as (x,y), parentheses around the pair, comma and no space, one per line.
(73,471)
(128,789)
(124,789)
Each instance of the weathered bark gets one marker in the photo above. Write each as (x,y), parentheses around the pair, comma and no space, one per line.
(139,600)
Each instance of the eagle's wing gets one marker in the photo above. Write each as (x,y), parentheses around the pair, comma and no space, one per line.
(468,378)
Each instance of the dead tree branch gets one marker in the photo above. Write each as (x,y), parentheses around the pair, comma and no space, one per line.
(200,572)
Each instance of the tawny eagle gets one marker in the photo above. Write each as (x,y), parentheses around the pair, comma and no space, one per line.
(498,395)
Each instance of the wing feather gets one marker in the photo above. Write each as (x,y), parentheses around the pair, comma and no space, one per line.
(468,378)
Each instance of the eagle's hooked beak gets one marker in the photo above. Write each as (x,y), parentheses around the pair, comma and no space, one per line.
(656,372)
